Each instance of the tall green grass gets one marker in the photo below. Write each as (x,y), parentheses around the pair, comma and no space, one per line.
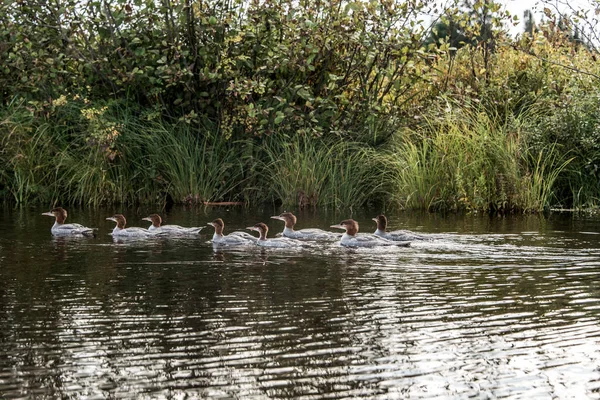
(114,157)
(28,168)
(26,155)
(574,127)
(537,183)
(309,172)
(188,165)
(459,159)
(415,180)
(153,163)
(465,159)
(89,178)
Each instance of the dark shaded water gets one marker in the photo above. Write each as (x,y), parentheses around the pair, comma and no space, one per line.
(492,308)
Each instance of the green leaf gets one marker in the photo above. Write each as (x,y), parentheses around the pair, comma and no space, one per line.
(304,94)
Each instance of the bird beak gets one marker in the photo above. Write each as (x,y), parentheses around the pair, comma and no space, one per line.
(375,219)
(211,224)
(111,219)
(252,228)
(146,219)
(338,226)
(49,213)
(278,217)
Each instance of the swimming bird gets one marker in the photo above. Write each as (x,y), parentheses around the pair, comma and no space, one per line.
(350,239)
(302,234)
(397,236)
(168,230)
(233,239)
(61,229)
(120,230)
(263,229)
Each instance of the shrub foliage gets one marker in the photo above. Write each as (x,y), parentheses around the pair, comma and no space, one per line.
(347,102)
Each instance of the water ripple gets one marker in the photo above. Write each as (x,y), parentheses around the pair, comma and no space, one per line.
(465,315)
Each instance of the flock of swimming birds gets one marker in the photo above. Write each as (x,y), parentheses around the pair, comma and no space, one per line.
(289,236)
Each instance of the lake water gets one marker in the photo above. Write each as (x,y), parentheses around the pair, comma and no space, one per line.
(501,307)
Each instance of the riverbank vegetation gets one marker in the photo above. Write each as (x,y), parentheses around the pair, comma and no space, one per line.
(318,103)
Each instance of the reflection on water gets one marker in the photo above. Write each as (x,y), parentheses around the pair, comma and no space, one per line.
(500,307)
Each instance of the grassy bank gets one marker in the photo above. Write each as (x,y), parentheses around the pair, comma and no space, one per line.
(120,158)
(458,159)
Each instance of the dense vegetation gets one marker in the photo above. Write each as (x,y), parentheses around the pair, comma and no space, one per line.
(308,103)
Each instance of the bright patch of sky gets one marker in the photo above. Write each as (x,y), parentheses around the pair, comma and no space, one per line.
(518,7)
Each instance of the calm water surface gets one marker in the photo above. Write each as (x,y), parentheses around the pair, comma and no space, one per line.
(491,308)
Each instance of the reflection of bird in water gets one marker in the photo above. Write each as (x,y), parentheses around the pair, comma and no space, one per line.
(263,255)
(218,254)
(60,247)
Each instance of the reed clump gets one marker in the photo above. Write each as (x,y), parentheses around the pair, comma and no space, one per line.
(308,172)
(109,155)
(462,158)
